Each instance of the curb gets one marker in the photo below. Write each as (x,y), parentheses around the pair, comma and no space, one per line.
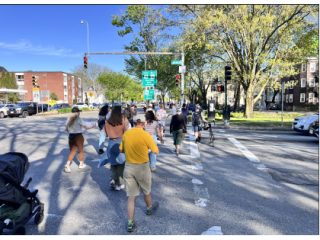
(253,128)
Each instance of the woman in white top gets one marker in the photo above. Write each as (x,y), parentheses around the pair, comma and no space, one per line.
(161,114)
(152,127)
(75,127)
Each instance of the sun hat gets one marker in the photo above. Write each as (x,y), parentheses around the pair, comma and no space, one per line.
(140,117)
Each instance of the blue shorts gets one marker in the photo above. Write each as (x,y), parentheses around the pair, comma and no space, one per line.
(197,128)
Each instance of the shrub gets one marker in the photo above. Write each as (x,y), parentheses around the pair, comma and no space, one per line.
(64,110)
(85,109)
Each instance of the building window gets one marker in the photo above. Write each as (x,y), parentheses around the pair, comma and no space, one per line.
(20,78)
(304,67)
(69,87)
(290,98)
(311,82)
(65,79)
(312,67)
(291,84)
(302,97)
(303,82)
(287,97)
(65,88)
(20,87)
(66,97)
(311,96)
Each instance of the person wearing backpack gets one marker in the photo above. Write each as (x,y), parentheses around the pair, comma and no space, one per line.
(130,113)
(101,122)
(197,120)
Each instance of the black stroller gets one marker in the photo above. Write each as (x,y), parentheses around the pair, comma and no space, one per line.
(17,204)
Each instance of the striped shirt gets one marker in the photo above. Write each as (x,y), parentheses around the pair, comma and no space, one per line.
(151,128)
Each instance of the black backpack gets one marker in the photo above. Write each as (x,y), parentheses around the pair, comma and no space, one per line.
(197,118)
(128,113)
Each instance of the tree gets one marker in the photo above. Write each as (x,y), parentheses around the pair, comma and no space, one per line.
(115,83)
(9,81)
(87,101)
(150,37)
(54,96)
(90,75)
(257,41)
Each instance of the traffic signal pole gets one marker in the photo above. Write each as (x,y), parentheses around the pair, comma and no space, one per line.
(182,80)
(226,99)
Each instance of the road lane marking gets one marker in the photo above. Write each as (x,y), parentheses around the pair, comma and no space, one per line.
(215,230)
(244,150)
(193,167)
(194,150)
(200,192)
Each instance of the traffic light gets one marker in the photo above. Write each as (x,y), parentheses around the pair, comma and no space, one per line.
(220,88)
(34,81)
(177,81)
(85,62)
(227,73)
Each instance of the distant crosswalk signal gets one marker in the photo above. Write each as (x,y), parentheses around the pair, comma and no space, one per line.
(220,88)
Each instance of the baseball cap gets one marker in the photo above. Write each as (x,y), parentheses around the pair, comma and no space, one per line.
(198,106)
(75,109)
(150,105)
(178,110)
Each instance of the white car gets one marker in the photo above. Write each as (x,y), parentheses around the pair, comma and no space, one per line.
(302,124)
(4,108)
(81,105)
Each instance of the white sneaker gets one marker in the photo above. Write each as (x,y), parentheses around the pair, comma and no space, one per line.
(117,188)
(82,166)
(67,169)
(122,186)
(112,183)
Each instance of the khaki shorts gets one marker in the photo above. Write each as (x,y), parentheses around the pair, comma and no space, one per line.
(135,176)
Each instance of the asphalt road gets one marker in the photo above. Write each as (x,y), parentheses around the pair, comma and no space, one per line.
(249,183)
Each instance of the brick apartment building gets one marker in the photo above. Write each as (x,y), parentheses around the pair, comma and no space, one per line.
(67,86)
(306,91)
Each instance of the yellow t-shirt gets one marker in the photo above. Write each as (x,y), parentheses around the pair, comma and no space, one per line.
(135,143)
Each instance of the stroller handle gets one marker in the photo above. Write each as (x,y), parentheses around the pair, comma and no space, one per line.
(28,182)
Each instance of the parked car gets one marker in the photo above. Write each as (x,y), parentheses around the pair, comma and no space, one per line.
(23,109)
(94,106)
(314,129)
(4,108)
(45,107)
(80,105)
(60,106)
(303,124)
(274,106)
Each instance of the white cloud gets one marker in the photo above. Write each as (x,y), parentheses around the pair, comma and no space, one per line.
(25,46)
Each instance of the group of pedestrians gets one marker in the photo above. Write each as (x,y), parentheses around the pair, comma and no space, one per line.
(132,146)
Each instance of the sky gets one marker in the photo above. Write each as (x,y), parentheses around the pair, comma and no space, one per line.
(52,38)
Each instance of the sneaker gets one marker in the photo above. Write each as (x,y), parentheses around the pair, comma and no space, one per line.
(196,140)
(101,151)
(67,169)
(112,184)
(153,209)
(131,226)
(122,186)
(82,166)
(199,139)
(117,188)
(177,153)
(153,168)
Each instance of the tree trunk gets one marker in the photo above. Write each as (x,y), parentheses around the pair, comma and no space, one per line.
(162,98)
(204,97)
(266,94)
(249,104)
(275,92)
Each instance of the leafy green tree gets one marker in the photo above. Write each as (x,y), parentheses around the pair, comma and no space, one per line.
(150,37)
(9,81)
(257,41)
(115,83)
(54,96)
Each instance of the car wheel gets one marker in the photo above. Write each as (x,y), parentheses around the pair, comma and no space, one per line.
(24,114)
(1,115)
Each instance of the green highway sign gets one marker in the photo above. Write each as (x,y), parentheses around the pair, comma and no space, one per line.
(149,94)
(176,62)
(149,78)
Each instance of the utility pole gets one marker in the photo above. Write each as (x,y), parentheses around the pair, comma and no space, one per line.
(282,103)
(182,79)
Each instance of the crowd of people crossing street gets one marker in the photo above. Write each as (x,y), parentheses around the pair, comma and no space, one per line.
(132,145)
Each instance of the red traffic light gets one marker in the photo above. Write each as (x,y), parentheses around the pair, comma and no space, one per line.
(85,58)
(177,76)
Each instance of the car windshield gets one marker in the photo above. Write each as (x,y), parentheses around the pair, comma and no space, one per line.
(20,104)
(1,106)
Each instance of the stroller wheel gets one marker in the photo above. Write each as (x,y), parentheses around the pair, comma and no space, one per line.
(19,230)
(38,218)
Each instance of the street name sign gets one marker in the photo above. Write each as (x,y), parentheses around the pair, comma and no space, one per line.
(149,78)
(179,62)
